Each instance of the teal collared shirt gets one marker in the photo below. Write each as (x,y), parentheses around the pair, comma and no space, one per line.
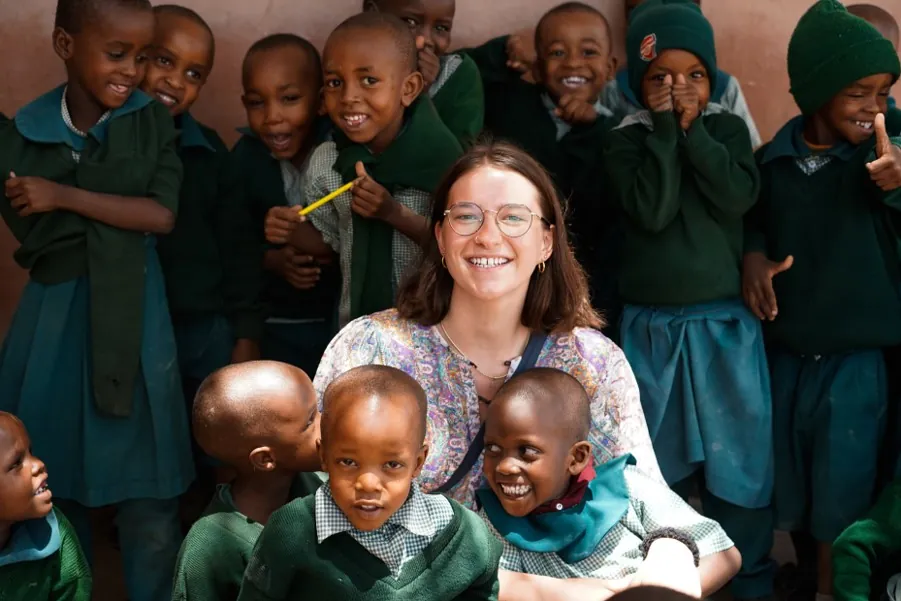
(190,134)
(42,120)
(789,142)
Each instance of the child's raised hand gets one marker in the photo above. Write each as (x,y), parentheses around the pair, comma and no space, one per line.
(301,271)
(521,52)
(371,199)
(280,224)
(575,111)
(757,283)
(885,171)
(660,100)
(686,102)
(429,64)
(31,195)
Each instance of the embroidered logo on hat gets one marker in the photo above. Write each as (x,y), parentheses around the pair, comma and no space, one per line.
(648,48)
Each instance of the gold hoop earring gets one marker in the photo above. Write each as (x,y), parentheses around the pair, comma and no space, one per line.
(443,262)
(541,267)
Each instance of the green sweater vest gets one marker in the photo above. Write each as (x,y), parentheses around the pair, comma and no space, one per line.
(460,104)
(868,552)
(842,292)
(288,563)
(138,158)
(64,576)
(261,188)
(684,196)
(211,258)
(216,552)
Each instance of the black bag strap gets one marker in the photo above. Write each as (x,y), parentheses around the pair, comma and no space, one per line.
(529,358)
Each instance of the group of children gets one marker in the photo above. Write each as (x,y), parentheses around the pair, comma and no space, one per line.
(158,257)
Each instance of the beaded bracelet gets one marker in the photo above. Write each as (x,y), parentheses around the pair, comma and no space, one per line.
(673,534)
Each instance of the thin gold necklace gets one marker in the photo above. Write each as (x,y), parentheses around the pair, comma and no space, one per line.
(471,362)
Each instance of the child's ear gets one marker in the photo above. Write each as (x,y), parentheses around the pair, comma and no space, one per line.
(321,453)
(580,456)
(612,64)
(420,459)
(370,6)
(262,459)
(62,43)
(412,88)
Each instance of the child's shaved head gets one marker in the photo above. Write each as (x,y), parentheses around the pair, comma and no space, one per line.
(879,18)
(569,8)
(400,33)
(243,406)
(71,15)
(376,384)
(175,10)
(285,40)
(558,397)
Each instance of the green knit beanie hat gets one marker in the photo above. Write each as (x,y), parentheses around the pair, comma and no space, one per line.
(658,25)
(829,50)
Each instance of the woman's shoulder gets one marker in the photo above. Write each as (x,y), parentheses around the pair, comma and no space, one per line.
(383,338)
(587,347)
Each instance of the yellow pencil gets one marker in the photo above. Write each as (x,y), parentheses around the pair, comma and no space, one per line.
(310,208)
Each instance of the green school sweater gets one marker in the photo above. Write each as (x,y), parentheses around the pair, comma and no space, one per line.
(288,563)
(516,111)
(63,575)
(215,553)
(869,550)
(684,196)
(132,154)
(211,259)
(261,188)
(459,101)
(842,292)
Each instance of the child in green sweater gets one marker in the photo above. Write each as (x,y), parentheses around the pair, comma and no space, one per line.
(388,142)
(40,558)
(282,79)
(561,122)
(204,257)
(261,419)
(451,80)
(866,558)
(821,269)
(561,517)
(370,533)
(683,171)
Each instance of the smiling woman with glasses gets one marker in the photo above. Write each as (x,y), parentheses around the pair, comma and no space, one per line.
(498,291)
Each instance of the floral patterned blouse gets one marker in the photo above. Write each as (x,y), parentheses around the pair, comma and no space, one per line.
(618,425)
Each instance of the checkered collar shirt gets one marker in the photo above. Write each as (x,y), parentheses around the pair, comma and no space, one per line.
(405,535)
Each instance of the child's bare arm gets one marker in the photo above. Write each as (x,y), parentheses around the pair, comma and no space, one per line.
(717,570)
(373,201)
(307,240)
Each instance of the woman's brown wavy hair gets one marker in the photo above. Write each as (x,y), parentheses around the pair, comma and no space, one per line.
(557,300)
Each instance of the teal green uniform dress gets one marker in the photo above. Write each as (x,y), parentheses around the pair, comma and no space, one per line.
(523,113)
(89,366)
(43,562)
(299,324)
(696,350)
(839,306)
(212,273)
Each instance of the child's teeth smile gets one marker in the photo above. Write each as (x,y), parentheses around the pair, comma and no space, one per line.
(515,491)
(488,262)
(574,82)
(280,141)
(166,99)
(868,125)
(355,120)
(119,89)
(41,489)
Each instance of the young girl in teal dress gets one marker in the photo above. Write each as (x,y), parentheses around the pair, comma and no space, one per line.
(89,365)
